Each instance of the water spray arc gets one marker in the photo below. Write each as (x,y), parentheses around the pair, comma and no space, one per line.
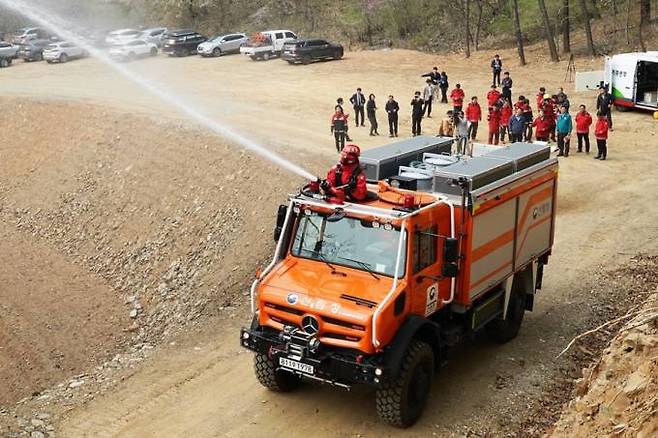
(51,20)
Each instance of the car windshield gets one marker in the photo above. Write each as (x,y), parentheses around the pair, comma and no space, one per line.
(349,242)
(216,38)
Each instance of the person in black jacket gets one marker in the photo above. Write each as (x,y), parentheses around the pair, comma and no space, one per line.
(507,86)
(392,109)
(417,106)
(604,103)
(340,102)
(443,85)
(496,67)
(371,109)
(358,101)
(434,75)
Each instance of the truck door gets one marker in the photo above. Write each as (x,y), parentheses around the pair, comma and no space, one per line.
(424,285)
(278,41)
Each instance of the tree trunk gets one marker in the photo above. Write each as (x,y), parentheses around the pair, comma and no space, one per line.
(615,9)
(479,25)
(566,37)
(468,29)
(628,22)
(588,27)
(517,30)
(549,31)
(645,11)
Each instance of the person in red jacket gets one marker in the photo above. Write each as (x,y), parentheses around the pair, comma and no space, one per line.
(540,98)
(493,96)
(583,122)
(473,117)
(346,180)
(505,114)
(494,124)
(457,97)
(542,127)
(601,134)
(339,127)
(519,104)
(550,113)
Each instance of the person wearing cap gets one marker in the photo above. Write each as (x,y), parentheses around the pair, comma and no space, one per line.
(564,126)
(604,103)
(346,180)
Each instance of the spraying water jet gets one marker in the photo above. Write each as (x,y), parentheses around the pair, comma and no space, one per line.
(53,21)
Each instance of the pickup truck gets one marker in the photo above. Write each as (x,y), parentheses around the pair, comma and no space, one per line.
(8,52)
(268,44)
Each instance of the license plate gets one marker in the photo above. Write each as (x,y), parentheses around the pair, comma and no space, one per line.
(297,366)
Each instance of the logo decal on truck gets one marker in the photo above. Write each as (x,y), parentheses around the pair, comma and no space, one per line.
(432,299)
(292,299)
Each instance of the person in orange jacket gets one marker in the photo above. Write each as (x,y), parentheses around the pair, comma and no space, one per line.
(542,127)
(601,133)
(505,114)
(583,122)
(473,117)
(493,96)
(457,97)
(494,124)
(346,180)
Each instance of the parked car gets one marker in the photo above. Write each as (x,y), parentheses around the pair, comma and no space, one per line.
(309,50)
(33,50)
(21,36)
(121,36)
(182,42)
(132,50)
(8,53)
(154,35)
(62,52)
(222,44)
(268,44)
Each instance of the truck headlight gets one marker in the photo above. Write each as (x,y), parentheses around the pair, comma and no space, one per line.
(378,371)
(245,335)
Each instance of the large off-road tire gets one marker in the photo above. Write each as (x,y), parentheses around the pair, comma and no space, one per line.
(273,379)
(504,330)
(401,401)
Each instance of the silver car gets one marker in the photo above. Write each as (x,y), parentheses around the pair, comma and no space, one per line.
(222,44)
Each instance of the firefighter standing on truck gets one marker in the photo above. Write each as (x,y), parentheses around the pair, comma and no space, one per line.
(339,127)
(346,180)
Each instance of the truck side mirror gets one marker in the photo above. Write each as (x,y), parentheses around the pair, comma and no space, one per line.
(450,250)
(280,219)
(450,270)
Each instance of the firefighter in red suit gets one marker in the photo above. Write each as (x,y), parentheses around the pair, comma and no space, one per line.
(346,180)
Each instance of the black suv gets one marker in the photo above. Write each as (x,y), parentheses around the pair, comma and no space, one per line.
(182,42)
(307,51)
(33,50)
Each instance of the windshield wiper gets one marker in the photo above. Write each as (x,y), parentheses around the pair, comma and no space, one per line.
(332,267)
(364,265)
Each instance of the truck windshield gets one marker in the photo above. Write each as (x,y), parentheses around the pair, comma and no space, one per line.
(349,242)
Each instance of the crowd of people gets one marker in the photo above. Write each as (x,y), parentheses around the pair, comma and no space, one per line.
(506,119)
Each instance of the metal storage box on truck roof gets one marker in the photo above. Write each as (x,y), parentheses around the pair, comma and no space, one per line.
(478,171)
(384,161)
(524,154)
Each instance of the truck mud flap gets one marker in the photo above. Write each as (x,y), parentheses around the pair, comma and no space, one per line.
(489,309)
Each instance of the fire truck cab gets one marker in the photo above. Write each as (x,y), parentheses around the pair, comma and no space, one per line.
(377,292)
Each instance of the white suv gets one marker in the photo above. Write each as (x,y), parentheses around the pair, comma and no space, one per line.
(154,35)
(63,52)
(133,50)
(122,36)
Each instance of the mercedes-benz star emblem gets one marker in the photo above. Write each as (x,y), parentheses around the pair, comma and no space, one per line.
(310,325)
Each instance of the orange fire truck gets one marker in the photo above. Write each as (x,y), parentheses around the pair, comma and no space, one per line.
(377,292)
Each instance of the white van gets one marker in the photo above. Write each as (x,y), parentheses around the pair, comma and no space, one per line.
(267,44)
(633,80)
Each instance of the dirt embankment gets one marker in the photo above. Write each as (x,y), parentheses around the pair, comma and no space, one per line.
(618,393)
(116,230)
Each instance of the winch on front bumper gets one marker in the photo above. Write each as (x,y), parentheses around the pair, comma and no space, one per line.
(300,353)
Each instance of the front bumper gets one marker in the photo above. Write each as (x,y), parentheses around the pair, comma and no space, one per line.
(291,57)
(339,368)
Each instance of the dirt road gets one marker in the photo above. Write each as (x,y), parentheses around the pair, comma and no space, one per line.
(204,386)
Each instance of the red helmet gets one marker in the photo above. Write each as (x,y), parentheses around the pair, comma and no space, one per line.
(350,154)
